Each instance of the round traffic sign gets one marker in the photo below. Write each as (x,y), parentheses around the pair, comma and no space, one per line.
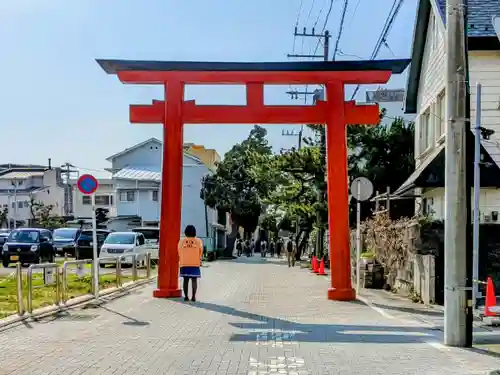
(87,184)
(365,189)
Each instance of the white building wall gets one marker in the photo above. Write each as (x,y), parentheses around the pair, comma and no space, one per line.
(82,210)
(53,194)
(484,67)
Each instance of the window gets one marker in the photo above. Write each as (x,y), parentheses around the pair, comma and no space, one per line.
(433,31)
(20,204)
(120,239)
(103,200)
(140,240)
(86,199)
(127,196)
(425,131)
(46,234)
(441,113)
(26,204)
(154,195)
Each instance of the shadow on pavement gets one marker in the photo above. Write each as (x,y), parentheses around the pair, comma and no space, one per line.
(276,329)
(408,310)
(130,321)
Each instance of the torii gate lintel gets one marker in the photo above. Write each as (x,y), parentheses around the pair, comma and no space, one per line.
(335,113)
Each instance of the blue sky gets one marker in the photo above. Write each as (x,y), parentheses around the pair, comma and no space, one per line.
(57,103)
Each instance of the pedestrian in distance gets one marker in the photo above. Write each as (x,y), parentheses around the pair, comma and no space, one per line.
(263,248)
(248,250)
(252,247)
(239,246)
(290,252)
(279,247)
(272,248)
(190,254)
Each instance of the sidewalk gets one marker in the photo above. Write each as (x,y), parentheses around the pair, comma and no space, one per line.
(432,316)
(253,317)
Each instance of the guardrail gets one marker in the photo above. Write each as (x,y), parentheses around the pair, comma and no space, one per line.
(64,278)
(29,276)
(61,278)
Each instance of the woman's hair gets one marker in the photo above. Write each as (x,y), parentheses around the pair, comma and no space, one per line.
(190,231)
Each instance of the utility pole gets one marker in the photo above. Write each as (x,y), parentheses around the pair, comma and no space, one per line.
(68,196)
(457,327)
(316,95)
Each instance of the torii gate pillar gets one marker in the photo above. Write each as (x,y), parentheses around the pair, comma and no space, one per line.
(335,113)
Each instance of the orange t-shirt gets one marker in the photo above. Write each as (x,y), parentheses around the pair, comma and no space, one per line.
(190,252)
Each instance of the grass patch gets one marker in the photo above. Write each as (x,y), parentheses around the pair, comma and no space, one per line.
(44,295)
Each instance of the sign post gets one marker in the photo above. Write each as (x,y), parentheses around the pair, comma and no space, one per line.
(88,185)
(362,189)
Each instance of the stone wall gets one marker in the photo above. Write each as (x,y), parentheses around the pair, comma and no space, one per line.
(417,269)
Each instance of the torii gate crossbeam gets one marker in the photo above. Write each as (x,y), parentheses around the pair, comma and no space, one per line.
(335,113)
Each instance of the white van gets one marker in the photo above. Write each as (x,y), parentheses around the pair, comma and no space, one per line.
(119,244)
(152,236)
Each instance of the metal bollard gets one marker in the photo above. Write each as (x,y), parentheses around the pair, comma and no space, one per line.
(93,288)
(19,284)
(148,265)
(134,267)
(58,286)
(118,272)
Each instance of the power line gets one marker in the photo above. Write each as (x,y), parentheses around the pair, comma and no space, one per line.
(310,11)
(396,6)
(324,25)
(354,12)
(319,14)
(341,28)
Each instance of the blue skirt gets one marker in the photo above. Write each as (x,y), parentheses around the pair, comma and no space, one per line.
(190,272)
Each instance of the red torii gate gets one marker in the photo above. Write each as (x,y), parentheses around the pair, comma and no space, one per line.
(335,113)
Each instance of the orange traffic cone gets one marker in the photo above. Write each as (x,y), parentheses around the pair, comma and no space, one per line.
(322,267)
(314,264)
(491,299)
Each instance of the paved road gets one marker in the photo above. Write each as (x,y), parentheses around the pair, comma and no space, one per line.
(253,317)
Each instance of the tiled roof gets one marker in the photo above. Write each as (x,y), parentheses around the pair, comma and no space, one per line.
(479,16)
(147,173)
(480,28)
(21,175)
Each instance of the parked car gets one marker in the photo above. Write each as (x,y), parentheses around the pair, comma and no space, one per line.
(119,244)
(84,248)
(4,234)
(28,246)
(152,236)
(65,239)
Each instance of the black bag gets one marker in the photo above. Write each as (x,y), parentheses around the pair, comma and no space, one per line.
(238,246)
(289,246)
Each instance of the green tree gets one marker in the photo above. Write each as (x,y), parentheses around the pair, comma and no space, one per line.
(297,173)
(242,182)
(383,154)
(42,214)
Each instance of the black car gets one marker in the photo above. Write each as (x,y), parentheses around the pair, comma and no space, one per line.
(64,240)
(28,246)
(84,248)
(4,234)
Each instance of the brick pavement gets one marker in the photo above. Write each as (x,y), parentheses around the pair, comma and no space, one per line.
(254,317)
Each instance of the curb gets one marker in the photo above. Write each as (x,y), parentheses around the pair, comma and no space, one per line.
(114,293)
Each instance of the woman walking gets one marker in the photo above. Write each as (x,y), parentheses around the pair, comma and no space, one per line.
(190,254)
